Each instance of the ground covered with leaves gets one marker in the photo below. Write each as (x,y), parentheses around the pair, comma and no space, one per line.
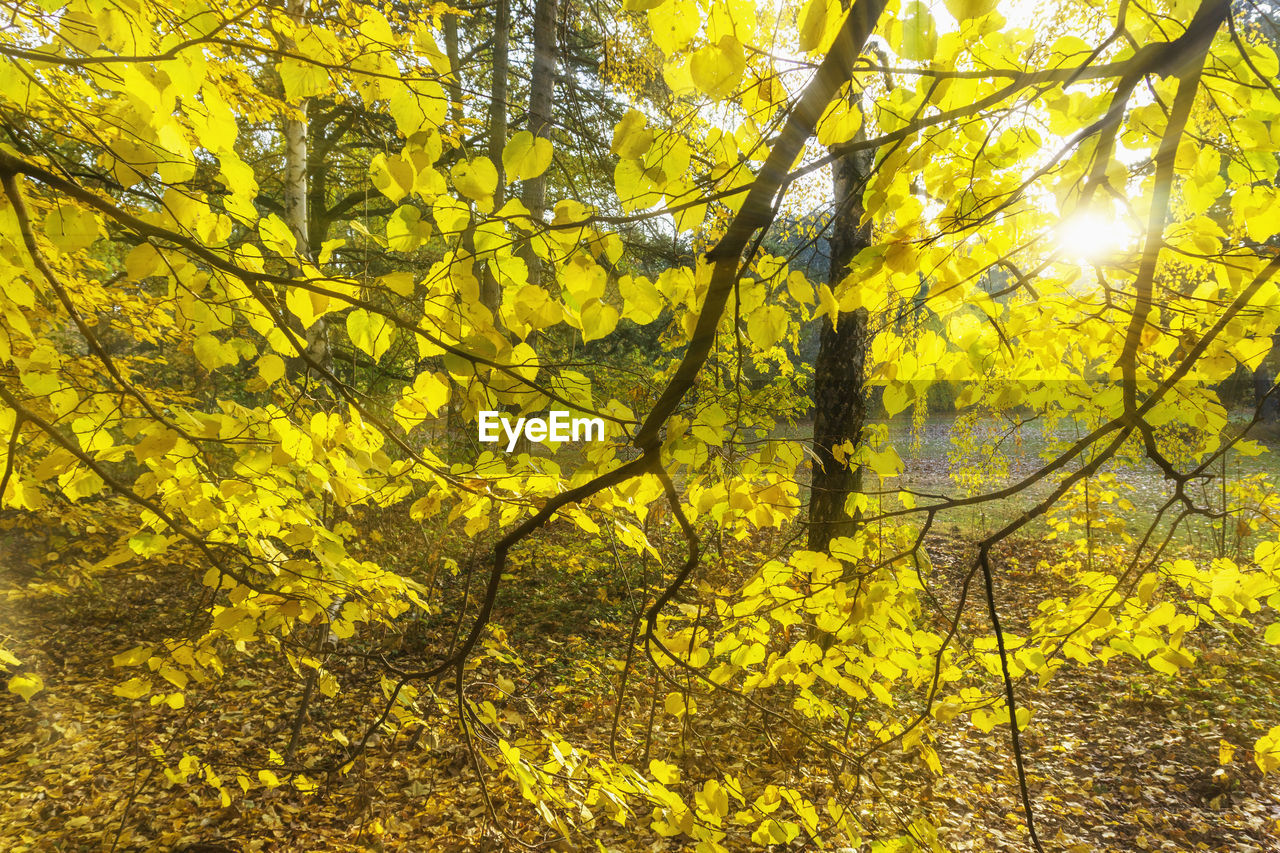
(1120,757)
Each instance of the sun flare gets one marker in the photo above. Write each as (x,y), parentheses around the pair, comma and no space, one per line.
(1091,237)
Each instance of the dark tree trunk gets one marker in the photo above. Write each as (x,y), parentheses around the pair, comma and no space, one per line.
(498,92)
(454,84)
(490,290)
(839,381)
(542,85)
(1263,378)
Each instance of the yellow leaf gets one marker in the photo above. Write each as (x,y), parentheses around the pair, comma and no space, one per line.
(419,108)
(79,29)
(766,326)
(526,156)
(717,69)
(399,283)
(1266,751)
(270,367)
(962,10)
(598,320)
(392,176)
(839,123)
(277,236)
(134,688)
(71,228)
(302,79)
(371,333)
(476,178)
(143,261)
(450,214)
(405,229)
(268,778)
(897,397)
(886,463)
(133,657)
(533,308)
(710,429)
(642,303)
(772,832)
(327,249)
(799,288)
(828,304)
(919,34)
(306,306)
(667,774)
(631,139)
(427,396)
(675,73)
(176,677)
(26,685)
(673,24)
(818,24)
(211,352)
(583,279)
(985,720)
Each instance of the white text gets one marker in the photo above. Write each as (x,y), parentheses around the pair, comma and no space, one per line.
(557,426)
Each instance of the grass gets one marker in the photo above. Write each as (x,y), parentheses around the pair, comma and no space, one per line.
(947,456)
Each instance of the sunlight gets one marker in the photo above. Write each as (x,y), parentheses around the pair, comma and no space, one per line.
(1090,237)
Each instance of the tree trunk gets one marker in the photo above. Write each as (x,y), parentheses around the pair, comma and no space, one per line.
(319,146)
(1263,378)
(490,290)
(839,381)
(498,92)
(295,154)
(296,203)
(295,171)
(542,84)
(454,84)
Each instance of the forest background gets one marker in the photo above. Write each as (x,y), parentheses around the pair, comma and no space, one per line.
(937,508)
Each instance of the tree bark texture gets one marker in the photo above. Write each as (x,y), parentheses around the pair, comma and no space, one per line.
(490,290)
(839,381)
(295,159)
(454,84)
(296,207)
(542,85)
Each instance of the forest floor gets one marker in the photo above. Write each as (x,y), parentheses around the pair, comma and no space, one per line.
(1121,758)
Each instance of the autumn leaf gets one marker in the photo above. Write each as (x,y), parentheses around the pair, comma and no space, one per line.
(26,685)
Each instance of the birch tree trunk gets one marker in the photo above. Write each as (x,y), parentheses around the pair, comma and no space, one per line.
(296,201)
(296,216)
